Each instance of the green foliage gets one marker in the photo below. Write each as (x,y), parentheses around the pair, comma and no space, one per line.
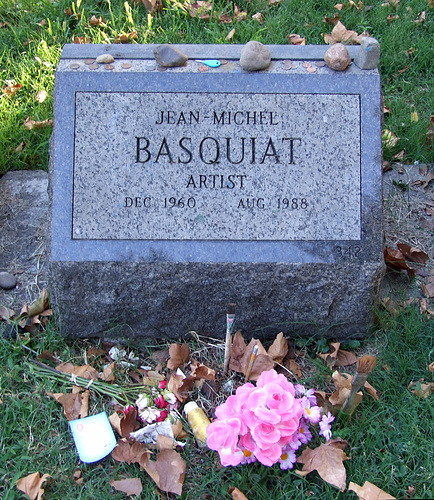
(390,440)
(32,34)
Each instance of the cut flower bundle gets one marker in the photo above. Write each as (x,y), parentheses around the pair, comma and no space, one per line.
(267,423)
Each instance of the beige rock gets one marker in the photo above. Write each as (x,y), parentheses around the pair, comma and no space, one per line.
(337,57)
(105,59)
(255,56)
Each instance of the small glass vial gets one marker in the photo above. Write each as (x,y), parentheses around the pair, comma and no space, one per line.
(198,422)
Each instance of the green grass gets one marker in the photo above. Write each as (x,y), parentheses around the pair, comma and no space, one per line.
(390,440)
(32,34)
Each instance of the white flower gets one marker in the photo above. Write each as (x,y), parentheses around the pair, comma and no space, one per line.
(143,402)
(149,415)
(169,397)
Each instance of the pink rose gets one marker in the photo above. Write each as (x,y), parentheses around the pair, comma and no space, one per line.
(272,376)
(163,416)
(160,402)
(269,456)
(162,384)
(223,434)
(265,434)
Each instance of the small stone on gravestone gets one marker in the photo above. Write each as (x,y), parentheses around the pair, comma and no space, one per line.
(105,59)
(369,53)
(255,56)
(337,57)
(7,281)
(170,56)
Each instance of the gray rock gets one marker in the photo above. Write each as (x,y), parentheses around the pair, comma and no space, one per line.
(7,281)
(105,59)
(337,57)
(169,56)
(369,53)
(255,56)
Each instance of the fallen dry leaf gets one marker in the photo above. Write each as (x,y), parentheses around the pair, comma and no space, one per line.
(108,374)
(239,15)
(413,253)
(237,494)
(30,124)
(237,351)
(85,371)
(327,460)
(345,358)
(258,17)
(230,35)
(369,492)
(199,9)
(430,132)
(421,389)
(11,88)
(279,348)
(128,452)
(168,471)
(41,96)
(293,366)
(130,486)
(31,485)
(179,355)
(421,18)
(75,404)
(200,371)
(388,138)
(330,357)
(97,21)
(153,6)
(340,34)
(295,39)
(395,260)
(181,386)
(428,178)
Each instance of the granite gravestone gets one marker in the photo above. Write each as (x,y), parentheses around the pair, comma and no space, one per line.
(175,191)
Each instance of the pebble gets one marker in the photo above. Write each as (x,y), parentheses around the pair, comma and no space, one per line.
(105,59)
(255,56)
(369,53)
(169,56)
(7,281)
(337,57)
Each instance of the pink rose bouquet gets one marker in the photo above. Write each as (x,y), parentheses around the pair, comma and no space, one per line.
(267,423)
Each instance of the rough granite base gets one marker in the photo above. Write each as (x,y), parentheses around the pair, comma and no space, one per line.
(166,300)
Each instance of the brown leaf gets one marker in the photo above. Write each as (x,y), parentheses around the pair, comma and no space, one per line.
(294,368)
(80,39)
(199,9)
(239,15)
(225,19)
(179,355)
(345,358)
(258,17)
(200,371)
(370,390)
(180,386)
(237,351)
(168,471)
(237,494)
(295,39)
(327,460)
(420,18)
(97,21)
(130,486)
(342,35)
(421,389)
(178,430)
(279,348)
(11,88)
(86,371)
(108,373)
(430,132)
(230,35)
(31,485)
(153,5)
(413,253)
(389,139)
(263,361)
(29,124)
(429,177)
(75,404)
(369,492)
(128,452)
(395,260)
(332,20)
(331,357)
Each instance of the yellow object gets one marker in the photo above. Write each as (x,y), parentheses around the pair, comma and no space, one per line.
(198,422)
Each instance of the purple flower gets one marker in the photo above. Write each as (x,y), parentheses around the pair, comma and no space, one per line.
(325,427)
